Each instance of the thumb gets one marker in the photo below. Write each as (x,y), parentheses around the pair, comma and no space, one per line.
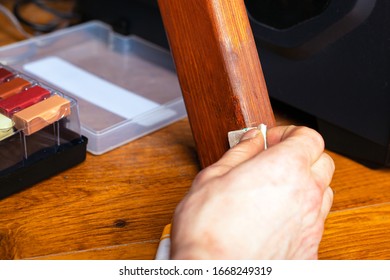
(250,144)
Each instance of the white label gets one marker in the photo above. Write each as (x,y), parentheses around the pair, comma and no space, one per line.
(89,87)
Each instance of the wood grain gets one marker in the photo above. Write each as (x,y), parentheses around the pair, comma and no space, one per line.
(115,206)
(360,233)
(114,199)
(132,251)
(219,70)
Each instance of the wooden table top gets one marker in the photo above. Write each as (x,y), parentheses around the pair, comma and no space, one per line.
(115,206)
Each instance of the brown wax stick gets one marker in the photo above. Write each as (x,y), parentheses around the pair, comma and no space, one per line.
(219,70)
(12,87)
(42,114)
(5,74)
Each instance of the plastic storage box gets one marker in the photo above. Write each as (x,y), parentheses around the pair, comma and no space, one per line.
(125,86)
(39,132)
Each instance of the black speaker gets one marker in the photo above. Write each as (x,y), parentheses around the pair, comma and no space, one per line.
(331,59)
(327,58)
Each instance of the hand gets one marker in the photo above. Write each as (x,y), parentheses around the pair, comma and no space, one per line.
(258,204)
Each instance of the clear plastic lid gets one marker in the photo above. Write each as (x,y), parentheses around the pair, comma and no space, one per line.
(125,87)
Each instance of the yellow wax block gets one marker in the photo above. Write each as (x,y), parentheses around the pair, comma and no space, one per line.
(6,126)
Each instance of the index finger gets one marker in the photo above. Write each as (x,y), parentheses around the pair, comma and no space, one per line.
(301,140)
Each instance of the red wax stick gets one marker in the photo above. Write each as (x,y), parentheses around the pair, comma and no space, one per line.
(23,100)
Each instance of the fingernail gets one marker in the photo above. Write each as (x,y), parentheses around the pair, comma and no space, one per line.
(250,134)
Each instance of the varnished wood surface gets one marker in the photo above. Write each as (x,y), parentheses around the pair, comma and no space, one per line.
(115,206)
(219,70)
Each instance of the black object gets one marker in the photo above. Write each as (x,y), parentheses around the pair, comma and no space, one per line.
(59,17)
(140,17)
(42,165)
(327,58)
(334,65)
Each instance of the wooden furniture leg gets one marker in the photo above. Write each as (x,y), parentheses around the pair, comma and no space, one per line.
(219,70)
